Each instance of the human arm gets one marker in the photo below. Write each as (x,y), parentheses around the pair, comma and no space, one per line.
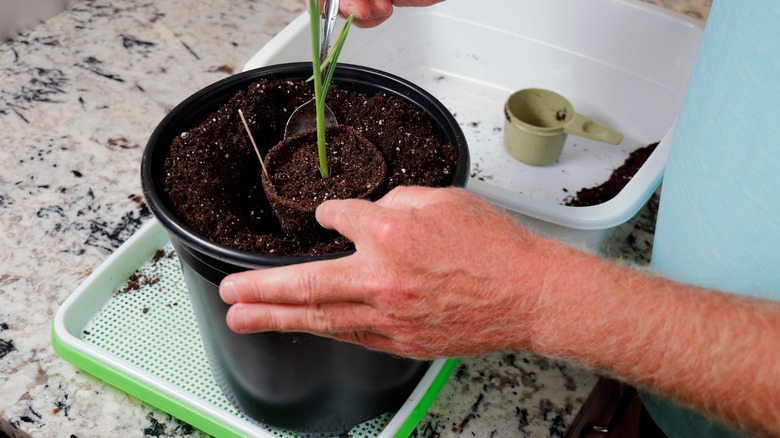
(714,352)
(370,13)
(439,272)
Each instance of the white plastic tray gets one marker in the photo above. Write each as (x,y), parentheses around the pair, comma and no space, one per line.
(145,341)
(621,62)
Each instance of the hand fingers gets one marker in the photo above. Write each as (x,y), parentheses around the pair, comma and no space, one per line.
(412,197)
(371,13)
(318,319)
(415,2)
(355,323)
(361,221)
(307,283)
(355,219)
(368,13)
(367,224)
(367,9)
(368,23)
(351,217)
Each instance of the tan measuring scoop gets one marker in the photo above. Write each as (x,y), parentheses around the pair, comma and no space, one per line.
(537,122)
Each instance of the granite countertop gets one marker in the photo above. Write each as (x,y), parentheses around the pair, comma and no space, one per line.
(79,95)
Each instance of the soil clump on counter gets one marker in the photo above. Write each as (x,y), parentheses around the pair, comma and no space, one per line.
(213,176)
(620,177)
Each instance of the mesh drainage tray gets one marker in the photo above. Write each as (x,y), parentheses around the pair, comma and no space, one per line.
(131,324)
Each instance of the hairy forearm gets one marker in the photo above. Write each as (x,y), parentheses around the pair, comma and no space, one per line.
(716,351)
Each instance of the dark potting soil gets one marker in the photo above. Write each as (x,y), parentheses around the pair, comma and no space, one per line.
(619,178)
(213,175)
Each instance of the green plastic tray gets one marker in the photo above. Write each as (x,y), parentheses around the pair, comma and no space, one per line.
(131,324)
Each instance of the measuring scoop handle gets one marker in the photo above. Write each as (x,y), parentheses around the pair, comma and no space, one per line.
(582,126)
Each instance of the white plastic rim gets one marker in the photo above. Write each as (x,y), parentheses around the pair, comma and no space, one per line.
(635,81)
(597,217)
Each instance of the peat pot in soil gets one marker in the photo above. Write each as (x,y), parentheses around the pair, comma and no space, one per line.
(202,181)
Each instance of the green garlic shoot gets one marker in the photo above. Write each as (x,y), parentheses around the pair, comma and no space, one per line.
(328,66)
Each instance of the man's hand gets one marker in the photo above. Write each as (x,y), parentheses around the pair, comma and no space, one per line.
(370,13)
(436,272)
(439,272)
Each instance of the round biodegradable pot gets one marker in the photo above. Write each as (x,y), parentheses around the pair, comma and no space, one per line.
(294,381)
(359,158)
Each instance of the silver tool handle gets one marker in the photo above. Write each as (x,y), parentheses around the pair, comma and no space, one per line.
(330,12)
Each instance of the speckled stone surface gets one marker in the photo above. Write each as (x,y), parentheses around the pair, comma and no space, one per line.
(79,95)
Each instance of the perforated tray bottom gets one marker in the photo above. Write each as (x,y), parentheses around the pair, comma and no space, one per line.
(150,323)
(131,324)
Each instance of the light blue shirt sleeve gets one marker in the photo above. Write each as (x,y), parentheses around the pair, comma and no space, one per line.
(719,216)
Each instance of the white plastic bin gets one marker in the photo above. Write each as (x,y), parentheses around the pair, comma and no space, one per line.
(623,63)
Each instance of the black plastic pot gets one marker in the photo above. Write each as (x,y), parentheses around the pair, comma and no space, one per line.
(290,380)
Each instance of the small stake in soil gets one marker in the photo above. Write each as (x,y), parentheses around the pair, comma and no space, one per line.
(257,151)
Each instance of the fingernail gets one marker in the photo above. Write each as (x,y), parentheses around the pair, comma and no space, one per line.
(228,292)
(351,11)
(386,11)
(239,320)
